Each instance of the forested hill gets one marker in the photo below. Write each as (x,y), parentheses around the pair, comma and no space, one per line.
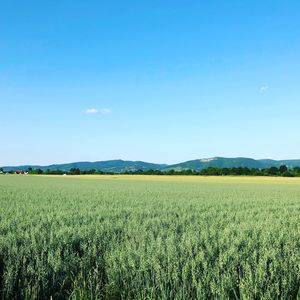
(119,166)
(114,166)
(223,162)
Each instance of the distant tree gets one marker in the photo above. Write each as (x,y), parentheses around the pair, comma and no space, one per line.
(187,172)
(240,171)
(296,171)
(170,172)
(213,171)
(225,171)
(272,171)
(56,172)
(256,172)
(287,174)
(74,171)
(246,171)
(283,169)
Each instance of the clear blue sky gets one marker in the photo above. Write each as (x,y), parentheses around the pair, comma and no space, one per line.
(160,81)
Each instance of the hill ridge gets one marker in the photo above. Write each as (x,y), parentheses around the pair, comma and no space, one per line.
(120,165)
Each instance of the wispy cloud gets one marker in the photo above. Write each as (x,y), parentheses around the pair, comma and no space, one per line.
(91,111)
(264,88)
(102,111)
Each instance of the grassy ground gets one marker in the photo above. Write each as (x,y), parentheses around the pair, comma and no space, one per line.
(154,237)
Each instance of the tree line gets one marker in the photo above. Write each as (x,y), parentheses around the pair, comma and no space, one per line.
(283,171)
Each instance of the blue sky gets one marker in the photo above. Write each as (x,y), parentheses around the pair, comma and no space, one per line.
(159,81)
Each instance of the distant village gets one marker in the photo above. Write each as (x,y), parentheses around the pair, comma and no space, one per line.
(19,172)
(31,171)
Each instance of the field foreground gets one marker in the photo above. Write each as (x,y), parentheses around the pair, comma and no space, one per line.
(149,237)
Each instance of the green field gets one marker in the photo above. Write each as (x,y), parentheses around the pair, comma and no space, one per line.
(143,237)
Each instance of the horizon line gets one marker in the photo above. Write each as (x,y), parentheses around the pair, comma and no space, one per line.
(144,161)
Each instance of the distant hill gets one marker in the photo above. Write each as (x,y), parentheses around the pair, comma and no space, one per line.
(277,163)
(118,166)
(223,162)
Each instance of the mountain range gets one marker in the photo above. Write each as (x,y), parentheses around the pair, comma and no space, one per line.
(118,166)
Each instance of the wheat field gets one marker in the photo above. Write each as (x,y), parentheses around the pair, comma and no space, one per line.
(149,237)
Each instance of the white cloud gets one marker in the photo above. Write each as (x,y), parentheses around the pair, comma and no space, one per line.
(264,88)
(103,111)
(91,111)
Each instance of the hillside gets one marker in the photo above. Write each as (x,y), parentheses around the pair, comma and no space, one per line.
(223,162)
(267,163)
(219,162)
(118,166)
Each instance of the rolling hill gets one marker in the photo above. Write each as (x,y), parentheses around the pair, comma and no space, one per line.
(116,166)
(119,166)
(223,162)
